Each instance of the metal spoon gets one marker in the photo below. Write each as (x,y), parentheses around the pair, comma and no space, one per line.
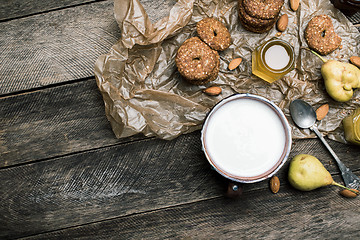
(305,117)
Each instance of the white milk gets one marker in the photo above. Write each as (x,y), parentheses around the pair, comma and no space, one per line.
(244,138)
(276,57)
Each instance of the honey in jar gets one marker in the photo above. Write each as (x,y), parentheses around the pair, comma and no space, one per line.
(273,59)
(352,127)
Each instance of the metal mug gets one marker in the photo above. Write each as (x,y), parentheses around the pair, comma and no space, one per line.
(233,108)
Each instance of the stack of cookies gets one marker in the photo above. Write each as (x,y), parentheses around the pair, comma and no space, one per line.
(197,58)
(259,16)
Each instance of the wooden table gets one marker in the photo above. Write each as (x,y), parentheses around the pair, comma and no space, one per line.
(63,174)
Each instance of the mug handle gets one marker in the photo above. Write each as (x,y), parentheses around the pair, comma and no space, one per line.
(234,190)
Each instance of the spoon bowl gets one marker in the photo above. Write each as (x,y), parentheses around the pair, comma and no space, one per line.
(302,113)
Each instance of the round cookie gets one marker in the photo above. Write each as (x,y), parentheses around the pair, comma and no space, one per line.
(263,9)
(253,28)
(320,35)
(214,34)
(254,24)
(195,60)
(213,75)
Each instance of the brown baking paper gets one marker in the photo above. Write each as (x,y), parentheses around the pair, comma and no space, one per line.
(144,93)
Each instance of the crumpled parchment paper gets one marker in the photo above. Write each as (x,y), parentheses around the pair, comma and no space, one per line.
(143,91)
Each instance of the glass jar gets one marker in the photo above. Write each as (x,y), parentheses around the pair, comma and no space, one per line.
(273,59)
(352,127)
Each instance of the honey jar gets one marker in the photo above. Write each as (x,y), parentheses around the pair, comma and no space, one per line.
(352,127)
(273,59)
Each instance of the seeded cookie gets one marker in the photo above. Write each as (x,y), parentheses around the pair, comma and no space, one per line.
(254,24)
(252,21)
(263,9)
(212,76)
(196,61)
(320,35)
(214,34)
(255,28)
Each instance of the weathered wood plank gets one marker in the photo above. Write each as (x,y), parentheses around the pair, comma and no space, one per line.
(20,8)
(122,180)
(290,214)
(102,184)
(55,47)
(53,122)
(60,46)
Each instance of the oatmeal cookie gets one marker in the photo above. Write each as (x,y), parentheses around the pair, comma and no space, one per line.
(214,34)
(320,35)
(255,24)
(263,9)
(196,61)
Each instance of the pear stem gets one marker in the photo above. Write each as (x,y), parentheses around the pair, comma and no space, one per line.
(322,58)
(339,185)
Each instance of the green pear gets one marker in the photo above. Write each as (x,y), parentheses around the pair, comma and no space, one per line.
(340,78)
(307,173)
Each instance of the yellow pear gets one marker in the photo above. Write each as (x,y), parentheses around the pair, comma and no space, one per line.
(306,173)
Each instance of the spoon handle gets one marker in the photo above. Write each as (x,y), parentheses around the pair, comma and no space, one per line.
(349,177)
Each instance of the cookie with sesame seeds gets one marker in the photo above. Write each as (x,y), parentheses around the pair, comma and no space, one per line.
(320,35)
(214,33)
(254,24)
(196,61)
(212,76)
(263,9)
(254,28)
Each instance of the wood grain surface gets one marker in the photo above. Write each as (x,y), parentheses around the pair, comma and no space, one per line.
(128,179)
(23,8)
(64,175)
(55,47)
(258,215)
(53,122)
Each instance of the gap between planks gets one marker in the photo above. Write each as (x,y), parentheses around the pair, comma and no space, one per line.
(50,10)
(132,214)
(129,140)
(155,210)
(53,85)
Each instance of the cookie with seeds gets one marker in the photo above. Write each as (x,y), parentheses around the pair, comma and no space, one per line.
(263,9)
(214,33)
(196,61)
(254,28)
(254,24)
(320,35)
(212,76)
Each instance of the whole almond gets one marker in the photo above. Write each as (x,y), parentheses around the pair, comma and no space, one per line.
(322,111)
(355,60)
(282,23)
(234,63)
(212,91)
(294,5)
(274,184)
(349,194)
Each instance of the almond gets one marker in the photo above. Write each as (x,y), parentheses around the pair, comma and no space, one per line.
(234,63)
(355,60)
(282,23)
(213,91)
(349,194)
(294,5)
(274,184)
(322,111)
